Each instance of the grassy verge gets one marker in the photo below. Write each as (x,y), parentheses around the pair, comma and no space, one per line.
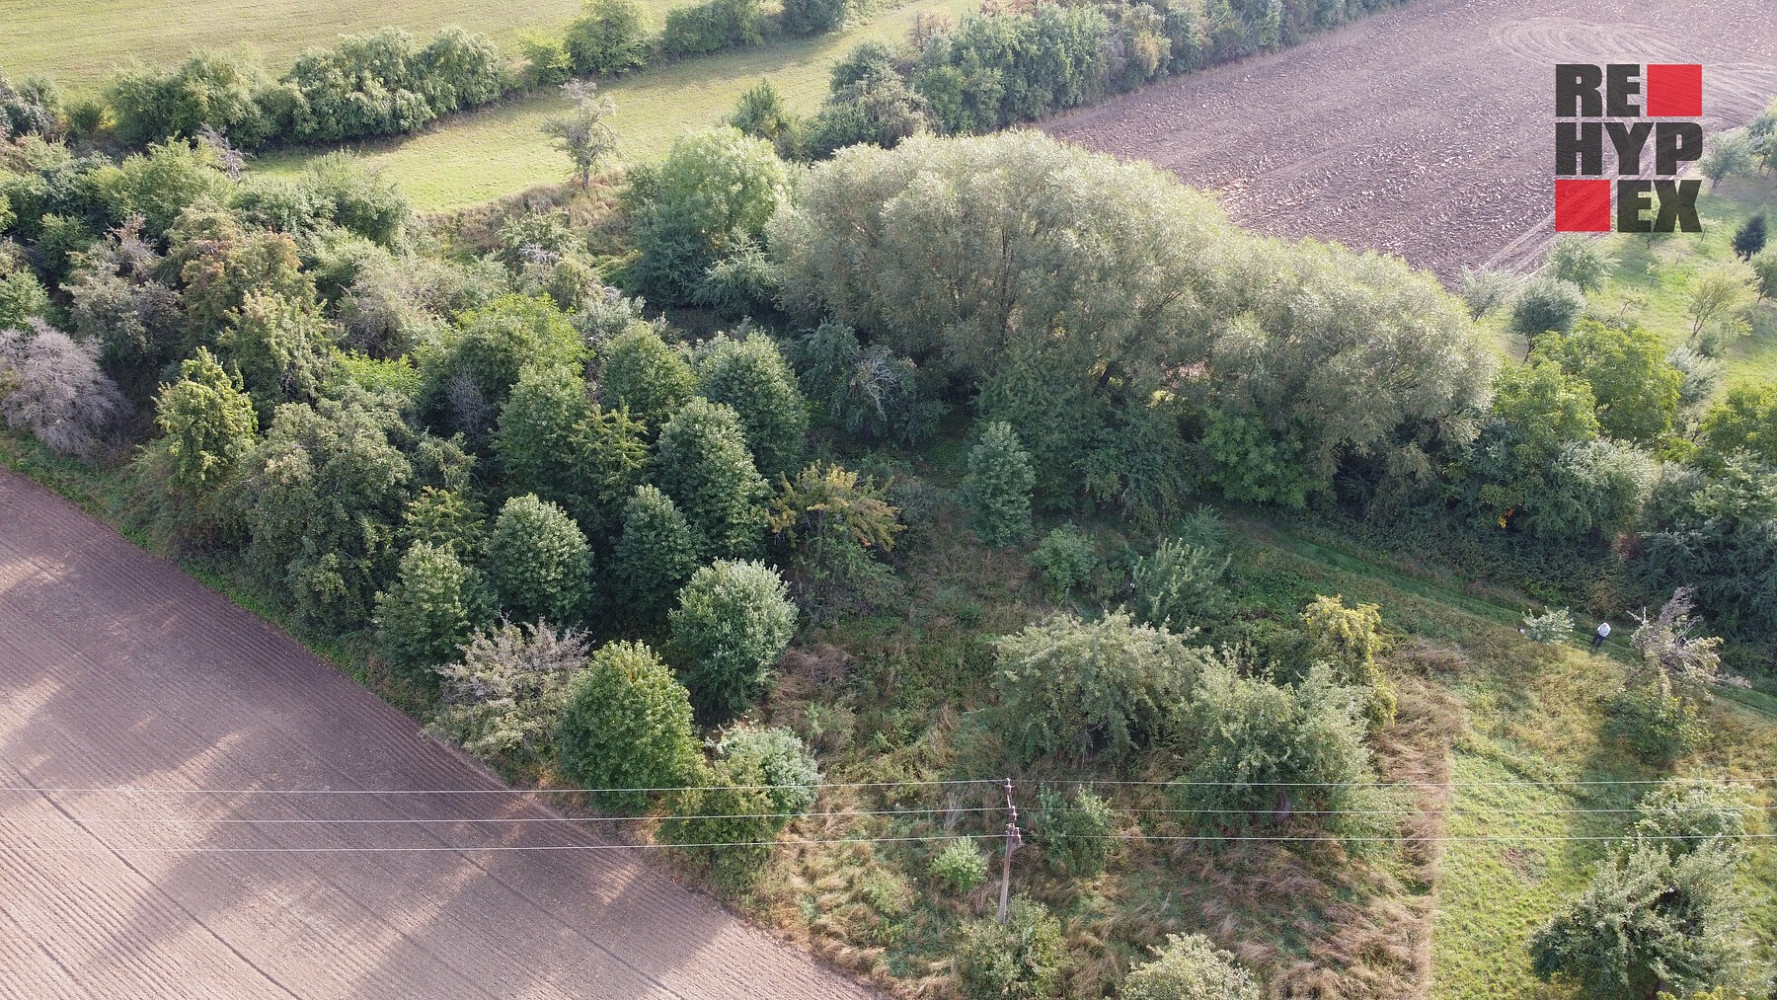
(481,155)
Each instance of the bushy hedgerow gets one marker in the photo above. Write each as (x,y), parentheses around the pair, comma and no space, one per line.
(607,38)
(381,83)
(713,25)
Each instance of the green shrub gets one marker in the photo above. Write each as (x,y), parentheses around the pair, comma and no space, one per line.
(1189,968)
(733,622)
(1546,304)
(998,485)
(1684,816)
(1350,639)
(1077,834)
(728,826)
(1024,959)
(502,698)
(1078,690)
(22,296)
(608,38)
(1180,584)
(1484,291)
(1065,559)
(1647,922)
(1581,260)
(960,865)
(539,562)
(785,764)
(626,724)
(1554,626)
(1260,751)
(432,609)
(1658,726)
(207,425)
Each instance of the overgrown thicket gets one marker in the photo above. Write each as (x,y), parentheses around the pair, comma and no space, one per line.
(597,547)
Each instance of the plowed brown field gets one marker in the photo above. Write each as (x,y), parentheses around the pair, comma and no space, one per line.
(143,722)
(1426,131)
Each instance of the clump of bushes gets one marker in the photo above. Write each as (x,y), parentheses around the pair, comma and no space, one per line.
(1076,833)
(1024,958)
(1189,967)
(960,865)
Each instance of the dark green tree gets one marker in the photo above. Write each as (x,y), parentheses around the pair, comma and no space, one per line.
(752,377)
(466,382)
(282,348)
(1749,239)
(433,608)
(323,501)
(733,623)
(998,485)
(539,562)
(701,461)
(654,556)
(639,371)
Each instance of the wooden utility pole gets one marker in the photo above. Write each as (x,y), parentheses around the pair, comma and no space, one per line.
(1013,840)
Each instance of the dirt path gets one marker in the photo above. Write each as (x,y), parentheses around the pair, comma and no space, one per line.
(1425,131)
(118,670)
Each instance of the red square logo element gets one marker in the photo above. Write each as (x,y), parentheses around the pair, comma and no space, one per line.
(1675,91)
(1582,206)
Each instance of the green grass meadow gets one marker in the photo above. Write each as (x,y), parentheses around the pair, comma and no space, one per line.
(473,158)
(1654,271)
(81,42)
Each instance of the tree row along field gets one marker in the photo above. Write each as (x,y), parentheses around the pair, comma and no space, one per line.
(482,155)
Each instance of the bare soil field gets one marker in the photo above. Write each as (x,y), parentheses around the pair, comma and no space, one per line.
(1427,131)
(192,806)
